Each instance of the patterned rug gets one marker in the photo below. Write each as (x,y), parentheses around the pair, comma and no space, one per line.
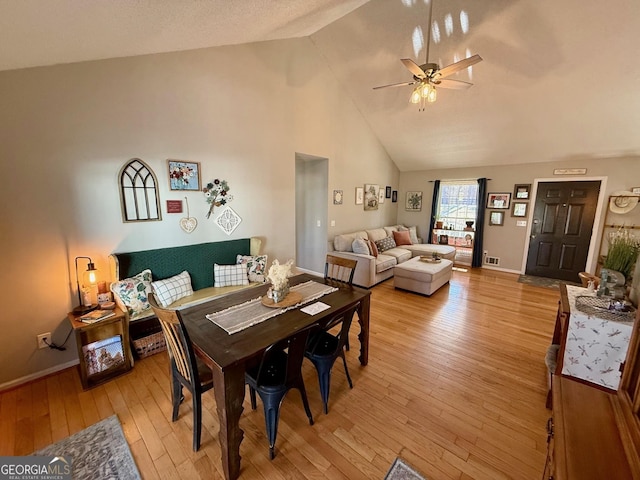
(400,470)
(97,452)
(544,282)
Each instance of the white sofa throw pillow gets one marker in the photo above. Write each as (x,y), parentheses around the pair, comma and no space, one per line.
(360,245)
(228,275)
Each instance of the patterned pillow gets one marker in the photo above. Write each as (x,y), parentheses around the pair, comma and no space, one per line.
(360,245)
(171,289)
(256,266)
(131,293)
(227,275)
(386,243)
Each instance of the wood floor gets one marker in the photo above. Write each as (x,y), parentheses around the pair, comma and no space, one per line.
(455,385)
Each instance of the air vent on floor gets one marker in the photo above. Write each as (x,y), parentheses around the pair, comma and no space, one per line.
(492,260)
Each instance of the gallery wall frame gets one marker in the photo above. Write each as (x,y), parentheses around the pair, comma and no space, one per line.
(387,192)
(359,195)
(337,197)
(499,200)
(413,202)
(522,191)
(184,175)
(371,196)
(496,218)
(519,209)
(394,196)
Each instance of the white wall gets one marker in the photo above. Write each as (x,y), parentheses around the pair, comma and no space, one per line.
(65,132)
(508,242)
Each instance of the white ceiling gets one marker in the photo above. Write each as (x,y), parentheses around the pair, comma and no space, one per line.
(559,81)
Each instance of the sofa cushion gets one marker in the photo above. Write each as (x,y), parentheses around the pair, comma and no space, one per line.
(173,288)
(360,245)
(343,243)
(392,228)
(131,293)
(376,234)
(386,243)
(229,275)
(256,266)
(402,238)
(385,262)
(400,254)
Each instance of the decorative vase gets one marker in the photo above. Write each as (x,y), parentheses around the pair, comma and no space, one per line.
(438,224)
(279,294)
(469,224)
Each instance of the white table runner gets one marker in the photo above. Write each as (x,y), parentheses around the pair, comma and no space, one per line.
(239,317)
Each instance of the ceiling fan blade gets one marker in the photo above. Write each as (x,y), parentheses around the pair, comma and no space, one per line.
(394,85)
(456,67)
(453,84)
(413,68)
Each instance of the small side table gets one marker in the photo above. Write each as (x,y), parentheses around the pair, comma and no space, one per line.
(103,348)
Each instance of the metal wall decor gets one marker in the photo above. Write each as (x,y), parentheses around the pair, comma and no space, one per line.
(139,196)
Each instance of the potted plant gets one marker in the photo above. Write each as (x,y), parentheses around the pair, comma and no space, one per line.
(622,254)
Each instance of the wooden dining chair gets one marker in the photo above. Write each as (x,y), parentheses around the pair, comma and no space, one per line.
(186,369)
(324,348)
(339,269)
(279,371)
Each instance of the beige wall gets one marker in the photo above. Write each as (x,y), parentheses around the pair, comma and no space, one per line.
(509,242)
(242,111)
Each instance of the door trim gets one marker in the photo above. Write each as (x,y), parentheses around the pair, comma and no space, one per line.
(594,244)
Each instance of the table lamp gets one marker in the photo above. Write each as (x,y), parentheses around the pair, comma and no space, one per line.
(88,277)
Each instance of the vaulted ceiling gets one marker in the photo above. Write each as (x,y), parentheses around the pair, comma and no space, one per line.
(559,80)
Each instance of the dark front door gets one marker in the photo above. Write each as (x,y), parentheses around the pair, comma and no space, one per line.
(562,226)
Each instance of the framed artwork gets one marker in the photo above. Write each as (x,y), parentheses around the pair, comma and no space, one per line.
(387,192)
(381,196)
(496,218)
(394,196)
(371,196)
(498,200)
(519,209)
(359,195)
(337,197)
(522,191)
(414,202)
(636,190)
(184,175)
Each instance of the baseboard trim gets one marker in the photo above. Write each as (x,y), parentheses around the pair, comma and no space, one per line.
(35,376)
(505,270)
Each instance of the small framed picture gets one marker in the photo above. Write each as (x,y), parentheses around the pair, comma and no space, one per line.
(184,175)
(496,218)
(359,195)
(394,196)
(414,202)
(498,200)
(381,195)
(636,190)
(387,192)
(337,197)
(519,209)
(371,196)
(522,191)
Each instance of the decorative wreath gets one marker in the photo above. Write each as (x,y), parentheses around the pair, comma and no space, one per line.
(216,194)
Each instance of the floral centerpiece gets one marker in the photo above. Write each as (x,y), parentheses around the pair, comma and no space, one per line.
(216,194)
(278,276)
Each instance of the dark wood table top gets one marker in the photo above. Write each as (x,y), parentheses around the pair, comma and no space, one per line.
(227,350)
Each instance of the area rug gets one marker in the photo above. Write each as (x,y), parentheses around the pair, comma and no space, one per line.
(97,452)
(544,282)
(400,470)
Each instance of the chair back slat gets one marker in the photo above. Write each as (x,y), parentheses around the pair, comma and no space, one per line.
(340,269)
(177,339)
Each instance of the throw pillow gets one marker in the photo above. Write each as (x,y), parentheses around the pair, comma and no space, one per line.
(229,275)
(131,293)
(360,245)
(173,288)
(256,266)
(384,244)
(402,238)
(413,234)
(373,248)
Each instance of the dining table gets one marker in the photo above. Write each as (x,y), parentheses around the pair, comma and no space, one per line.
(228,355)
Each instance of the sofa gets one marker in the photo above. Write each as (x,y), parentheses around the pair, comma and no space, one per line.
(212,270)
(371,268)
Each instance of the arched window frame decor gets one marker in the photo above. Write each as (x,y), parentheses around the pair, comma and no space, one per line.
(139,195)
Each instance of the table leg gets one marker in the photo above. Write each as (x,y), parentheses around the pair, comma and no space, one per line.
(363,318)
(228,386)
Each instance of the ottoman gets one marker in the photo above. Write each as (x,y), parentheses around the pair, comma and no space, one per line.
(422,277)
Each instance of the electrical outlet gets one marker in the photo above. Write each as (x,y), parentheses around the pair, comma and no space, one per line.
(41,339)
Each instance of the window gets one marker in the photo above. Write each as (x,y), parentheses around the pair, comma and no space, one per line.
(457,203)
(139,193)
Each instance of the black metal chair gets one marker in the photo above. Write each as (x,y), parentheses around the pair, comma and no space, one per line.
(324,348)
(279,371)
(186,370)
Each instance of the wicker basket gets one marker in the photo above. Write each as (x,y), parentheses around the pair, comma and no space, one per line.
(149,345)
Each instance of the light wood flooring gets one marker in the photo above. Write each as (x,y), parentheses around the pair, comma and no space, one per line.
(455,385)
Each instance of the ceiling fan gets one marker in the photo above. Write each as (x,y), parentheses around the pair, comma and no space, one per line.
(429,76)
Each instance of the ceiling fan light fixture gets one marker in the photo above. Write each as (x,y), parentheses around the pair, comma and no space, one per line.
(426,90)
(432,95)
(415,95)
